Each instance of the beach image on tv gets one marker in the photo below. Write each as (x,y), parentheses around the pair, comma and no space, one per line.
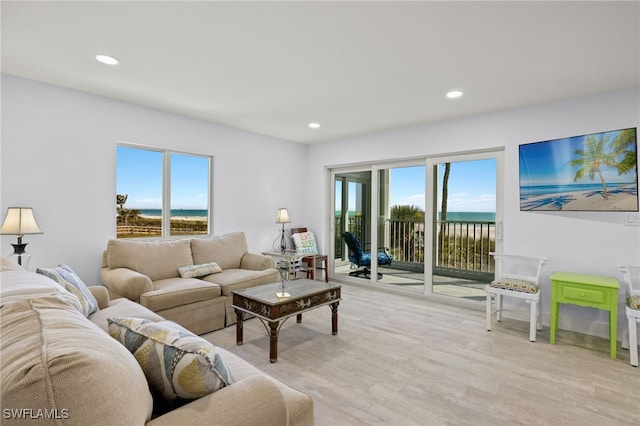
(595,172)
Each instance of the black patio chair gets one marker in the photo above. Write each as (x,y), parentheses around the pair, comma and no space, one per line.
(362,260)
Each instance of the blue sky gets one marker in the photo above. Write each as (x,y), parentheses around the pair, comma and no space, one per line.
(139,174)
(472,186)
(547,163)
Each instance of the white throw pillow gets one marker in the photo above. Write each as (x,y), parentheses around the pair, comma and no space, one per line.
(305,243)
(194,271)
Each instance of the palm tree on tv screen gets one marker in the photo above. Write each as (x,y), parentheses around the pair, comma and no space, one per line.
(625,144)
(592,157)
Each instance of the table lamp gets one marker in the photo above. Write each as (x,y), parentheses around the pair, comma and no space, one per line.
(283,217)
(20,221)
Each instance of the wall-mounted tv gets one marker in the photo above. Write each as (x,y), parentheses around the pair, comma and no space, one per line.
(595,172)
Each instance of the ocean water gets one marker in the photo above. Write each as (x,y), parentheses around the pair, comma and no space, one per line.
(175,212)
(471,216)
(462,216)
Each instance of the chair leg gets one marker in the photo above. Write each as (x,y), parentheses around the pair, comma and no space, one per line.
(625,337)
(489,319)
(633,341)
(533,321)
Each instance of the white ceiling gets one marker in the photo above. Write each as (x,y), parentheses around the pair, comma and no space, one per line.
(354,67)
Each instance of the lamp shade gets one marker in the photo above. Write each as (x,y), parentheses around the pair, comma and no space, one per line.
(282,216)
(20,221)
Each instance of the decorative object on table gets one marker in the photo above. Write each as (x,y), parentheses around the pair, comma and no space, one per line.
(20,221)
(631,282)
(283,268)
(283,217)
(516,276)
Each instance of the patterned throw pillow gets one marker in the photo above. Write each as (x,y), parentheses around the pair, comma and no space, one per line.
(193,271)
(65,276)
(305,243)
(634,302)
(516,285)
(178,364)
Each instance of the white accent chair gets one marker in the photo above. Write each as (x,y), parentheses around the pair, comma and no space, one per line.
(516,276)
(631,281)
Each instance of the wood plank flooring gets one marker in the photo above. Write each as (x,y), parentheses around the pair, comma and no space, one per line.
(398,360)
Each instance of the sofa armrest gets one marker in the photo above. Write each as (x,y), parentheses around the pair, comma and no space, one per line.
(255,400)
(101,294)
(256,262)
(123,282)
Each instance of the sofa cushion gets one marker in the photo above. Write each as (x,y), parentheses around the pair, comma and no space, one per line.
(122,308)
(155,259)
(54,359)
(177,363)
(227,250)
(66,277)
(21,285)
(173,292)
(194,271)
(238,279)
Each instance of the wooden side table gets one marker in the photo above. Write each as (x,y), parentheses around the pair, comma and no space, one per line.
(585,290)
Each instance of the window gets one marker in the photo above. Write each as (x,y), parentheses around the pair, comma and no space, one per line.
(161,192)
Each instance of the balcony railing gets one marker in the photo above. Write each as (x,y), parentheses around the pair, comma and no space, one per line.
(462,247)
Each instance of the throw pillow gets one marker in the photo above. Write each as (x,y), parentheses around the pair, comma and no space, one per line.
(66,277)
(305,243)
(193,271)
(177,363)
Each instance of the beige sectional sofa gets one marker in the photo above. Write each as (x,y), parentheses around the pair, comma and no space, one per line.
(61,367)
(146,272)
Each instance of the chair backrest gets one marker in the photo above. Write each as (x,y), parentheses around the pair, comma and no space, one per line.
(520,267)
(630,279)
(355,249)
(298,230)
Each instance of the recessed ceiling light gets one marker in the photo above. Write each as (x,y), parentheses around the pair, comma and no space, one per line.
(314,125)
(106,59)
(454,94)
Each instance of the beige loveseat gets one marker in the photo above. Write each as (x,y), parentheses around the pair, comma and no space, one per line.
(60,367)
(146,272)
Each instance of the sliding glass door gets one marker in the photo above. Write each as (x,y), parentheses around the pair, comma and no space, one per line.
(425,226)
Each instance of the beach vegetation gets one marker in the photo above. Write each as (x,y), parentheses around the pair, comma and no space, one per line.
(625,145)
(593,157)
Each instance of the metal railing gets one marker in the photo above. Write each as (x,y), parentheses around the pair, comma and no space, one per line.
(461,250)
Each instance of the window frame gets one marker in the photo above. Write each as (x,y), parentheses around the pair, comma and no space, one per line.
(166,188)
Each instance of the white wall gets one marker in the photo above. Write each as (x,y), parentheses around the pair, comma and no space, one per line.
(58,156)
(586,242)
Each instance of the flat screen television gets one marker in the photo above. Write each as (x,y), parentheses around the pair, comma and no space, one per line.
(594,172)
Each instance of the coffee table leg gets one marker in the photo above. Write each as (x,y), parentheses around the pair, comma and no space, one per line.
(334,318)
(299,318)
(273,341)
(239,323)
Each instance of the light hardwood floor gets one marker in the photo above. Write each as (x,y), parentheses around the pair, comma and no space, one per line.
(404,361)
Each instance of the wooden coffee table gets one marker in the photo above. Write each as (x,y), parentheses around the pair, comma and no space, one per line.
(273,311)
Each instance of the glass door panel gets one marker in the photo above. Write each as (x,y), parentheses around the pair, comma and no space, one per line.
(464,227)
(353,215)
(401,224)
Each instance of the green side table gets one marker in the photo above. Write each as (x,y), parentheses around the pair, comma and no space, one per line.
(585,290)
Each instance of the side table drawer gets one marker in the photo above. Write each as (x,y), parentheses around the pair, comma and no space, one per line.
(581,294)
